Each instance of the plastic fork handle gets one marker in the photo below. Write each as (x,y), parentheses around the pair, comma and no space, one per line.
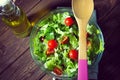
(82,69)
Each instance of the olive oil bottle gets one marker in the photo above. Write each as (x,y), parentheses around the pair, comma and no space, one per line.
(15,18)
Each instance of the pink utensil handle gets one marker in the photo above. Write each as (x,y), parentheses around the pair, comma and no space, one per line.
(82,69)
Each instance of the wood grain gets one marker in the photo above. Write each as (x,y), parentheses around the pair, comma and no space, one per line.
(11,53)
(109,22)
(47,77)
(41,9)
(23,68)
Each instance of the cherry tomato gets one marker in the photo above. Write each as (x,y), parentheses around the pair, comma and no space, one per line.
(65,40)
(57,71)
(52,44)
(88,44)
(50,51)
(73,54)
(88,35)
(69,21)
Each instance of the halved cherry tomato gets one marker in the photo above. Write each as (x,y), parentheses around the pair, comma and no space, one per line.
(69,21)
(73,54)
(88,35)
(50,51)
(52,44)
(65,40)
(88,43)
(57,71)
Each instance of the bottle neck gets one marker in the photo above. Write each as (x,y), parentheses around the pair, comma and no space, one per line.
(9,9)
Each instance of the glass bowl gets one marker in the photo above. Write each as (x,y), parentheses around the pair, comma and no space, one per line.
(55,59)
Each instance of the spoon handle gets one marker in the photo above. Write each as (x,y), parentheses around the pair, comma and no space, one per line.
(82,57)
(82,69)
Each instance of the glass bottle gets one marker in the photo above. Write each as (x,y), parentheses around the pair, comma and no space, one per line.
(15,18)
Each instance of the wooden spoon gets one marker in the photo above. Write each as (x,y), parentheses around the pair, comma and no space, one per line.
(82,10)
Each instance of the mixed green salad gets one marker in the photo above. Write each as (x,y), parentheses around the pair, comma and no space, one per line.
(56,43)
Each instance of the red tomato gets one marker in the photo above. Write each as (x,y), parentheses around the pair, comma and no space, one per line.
(88,43)
(52,44)
(73,54)
(65,40)
(50,51)
(69,21)
(57,71)
(88,35)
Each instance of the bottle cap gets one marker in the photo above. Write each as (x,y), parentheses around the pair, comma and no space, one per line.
(4,2)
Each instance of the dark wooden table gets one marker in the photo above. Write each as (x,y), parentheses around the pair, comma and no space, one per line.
(16,62)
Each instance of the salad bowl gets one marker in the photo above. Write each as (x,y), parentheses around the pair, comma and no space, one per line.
(54,44)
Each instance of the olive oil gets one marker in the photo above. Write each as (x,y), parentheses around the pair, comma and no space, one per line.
(16,19)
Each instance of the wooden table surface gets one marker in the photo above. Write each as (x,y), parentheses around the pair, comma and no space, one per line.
(16,62)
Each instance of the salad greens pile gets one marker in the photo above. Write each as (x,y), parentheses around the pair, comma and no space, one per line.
(56,44)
